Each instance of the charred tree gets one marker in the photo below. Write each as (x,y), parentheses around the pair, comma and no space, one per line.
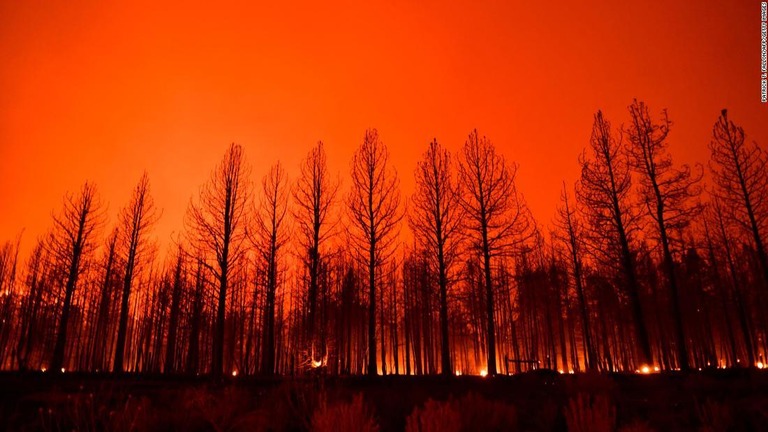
(496,217)
(374,214)
(175,312)
(217,222)
(740,174)
(436,221)
(136,219)
(604,192)
(72,242)
(571,234)
(314,197)
(270,235)
(670,196)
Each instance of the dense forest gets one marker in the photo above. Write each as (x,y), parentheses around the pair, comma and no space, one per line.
(647,265)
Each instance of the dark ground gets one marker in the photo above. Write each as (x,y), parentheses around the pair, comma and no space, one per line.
(727,400)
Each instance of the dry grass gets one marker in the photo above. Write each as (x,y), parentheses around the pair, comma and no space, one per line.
(86,412)
(590,413)
(222,410)
(354,416)
(714,416)
(479,413)
(435,416)
(472,412)
(294,404)
(637,426)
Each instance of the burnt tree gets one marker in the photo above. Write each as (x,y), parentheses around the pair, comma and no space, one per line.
(604,192)
(670,197)
(374,214)
(136,220)
(217,222)
(435,219)
(740,174)
(72,242)
(269,237)
(314,197)
(496,217)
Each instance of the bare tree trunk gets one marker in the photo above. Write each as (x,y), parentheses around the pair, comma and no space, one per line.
(171,343)
(374,209)
(217,222)
(498,215)
(71,241)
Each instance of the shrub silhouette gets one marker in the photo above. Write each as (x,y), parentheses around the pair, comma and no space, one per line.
(714,416)
(470,413)
(354,416)
(435,416)
(590,413)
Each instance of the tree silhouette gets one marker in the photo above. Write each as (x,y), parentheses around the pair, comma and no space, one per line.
(270,235)
(740,174)
(629,277)
(197,310)
(314,197)
(217,222)
(9,257)
(72,242)
(175,314)
(101,358)
(725,235)
(374,213)
(497,217)
(435,219)
(136,219)
(604,192)
(668,194)
(32,303)
(571,235)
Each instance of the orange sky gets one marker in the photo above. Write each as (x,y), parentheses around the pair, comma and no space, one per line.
(92,91)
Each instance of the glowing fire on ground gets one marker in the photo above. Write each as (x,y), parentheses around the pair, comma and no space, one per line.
(645,369)
(484,373)
(317,363)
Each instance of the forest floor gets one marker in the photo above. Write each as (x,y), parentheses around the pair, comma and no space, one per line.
(538,401)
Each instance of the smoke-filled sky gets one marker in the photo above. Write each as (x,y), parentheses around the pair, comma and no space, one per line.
(99,91)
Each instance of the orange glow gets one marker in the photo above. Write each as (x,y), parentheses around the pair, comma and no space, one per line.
(318,363)
(102,91)
(484,373)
